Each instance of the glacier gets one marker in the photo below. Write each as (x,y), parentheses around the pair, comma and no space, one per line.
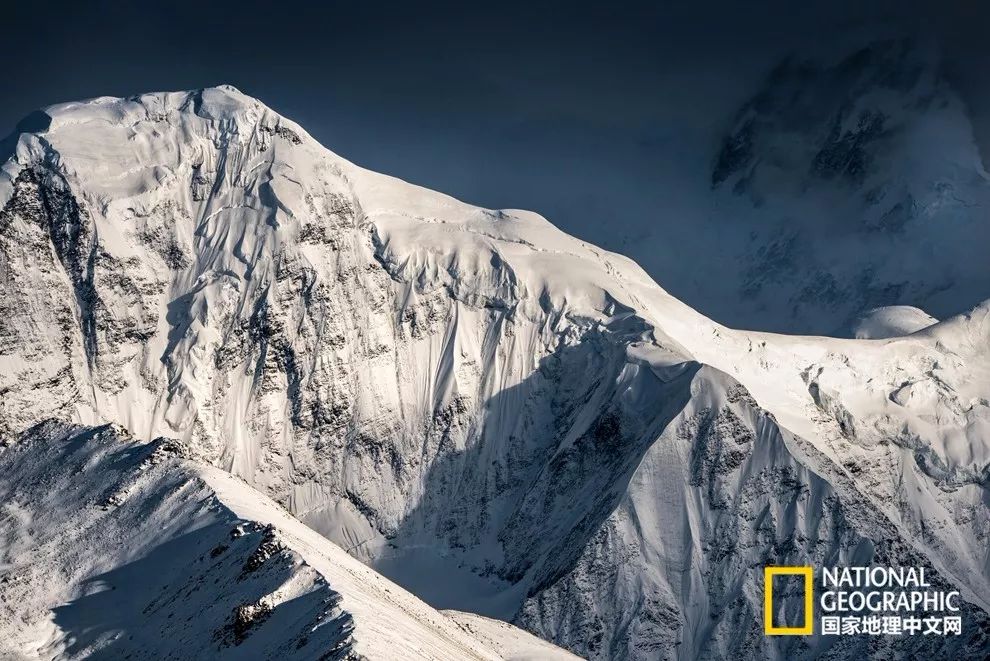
(499,417)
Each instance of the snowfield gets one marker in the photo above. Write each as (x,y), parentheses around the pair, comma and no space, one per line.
(497,416)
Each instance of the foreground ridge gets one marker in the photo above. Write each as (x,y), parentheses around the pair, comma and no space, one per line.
(119,548)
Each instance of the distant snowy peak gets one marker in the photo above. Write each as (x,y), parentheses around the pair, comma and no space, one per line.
(820,120)
(866,187)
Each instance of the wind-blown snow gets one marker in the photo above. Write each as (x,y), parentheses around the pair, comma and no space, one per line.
(495,414)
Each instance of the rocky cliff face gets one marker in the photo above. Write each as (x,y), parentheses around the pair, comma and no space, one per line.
(497,415)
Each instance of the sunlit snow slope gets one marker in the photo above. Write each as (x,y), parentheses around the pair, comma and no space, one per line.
(500,417)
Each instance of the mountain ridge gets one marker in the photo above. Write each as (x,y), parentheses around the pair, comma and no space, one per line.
(146,549)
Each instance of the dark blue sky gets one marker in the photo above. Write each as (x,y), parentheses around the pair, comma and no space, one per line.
(591,114)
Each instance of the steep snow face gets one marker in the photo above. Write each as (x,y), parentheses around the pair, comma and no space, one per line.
(867,190)
(905,419)
(112,548)
(449,391)
(684,555)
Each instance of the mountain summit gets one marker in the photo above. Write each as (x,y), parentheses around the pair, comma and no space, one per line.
(499,417)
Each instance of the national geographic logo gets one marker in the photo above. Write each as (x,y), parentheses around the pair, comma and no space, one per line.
(805,629)
(875,601)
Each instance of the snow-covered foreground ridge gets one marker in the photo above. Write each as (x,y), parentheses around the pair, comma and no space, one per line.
(465,397)
(118,549)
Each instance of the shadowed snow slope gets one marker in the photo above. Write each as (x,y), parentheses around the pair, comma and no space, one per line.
(498,416)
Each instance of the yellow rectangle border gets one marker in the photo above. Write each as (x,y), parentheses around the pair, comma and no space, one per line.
(809,601)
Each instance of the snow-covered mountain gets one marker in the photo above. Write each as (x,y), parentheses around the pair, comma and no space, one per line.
(498,416)
(866,185)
